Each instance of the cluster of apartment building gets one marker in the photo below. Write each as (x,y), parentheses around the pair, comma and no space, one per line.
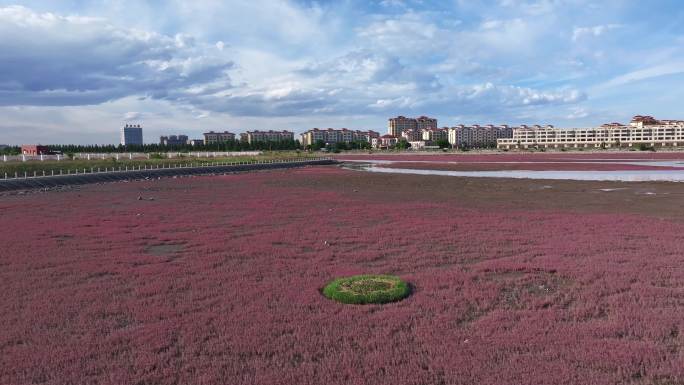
(423,132)
(642,130)
(250,137)
(132,134)
(416,131)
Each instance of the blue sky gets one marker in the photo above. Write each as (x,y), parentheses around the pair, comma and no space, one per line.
(75,71)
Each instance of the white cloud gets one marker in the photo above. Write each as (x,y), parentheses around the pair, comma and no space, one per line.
(393,3)
(577,113)
(132,115)
(520,96)
(533,8)
(595,31)
(409,34)
(50,59)
(655,71)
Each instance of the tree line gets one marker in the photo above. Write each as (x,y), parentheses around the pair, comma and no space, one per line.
(339,146)
(10,150)
(234,145)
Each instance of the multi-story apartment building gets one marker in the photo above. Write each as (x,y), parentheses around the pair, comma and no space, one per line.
(435,134)
(641,130)
(131,134)
(331,135)
(424,123)
(477,136)
(400,124)
(173,140)
(367,136)
(385,141)
(212,137)
(412,135)
(266,136)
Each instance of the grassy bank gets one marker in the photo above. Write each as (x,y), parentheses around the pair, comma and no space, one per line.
(70,166)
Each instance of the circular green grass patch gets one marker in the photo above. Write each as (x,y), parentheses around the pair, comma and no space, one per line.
(365,289)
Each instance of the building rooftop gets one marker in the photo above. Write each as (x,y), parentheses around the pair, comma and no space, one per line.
(269,132)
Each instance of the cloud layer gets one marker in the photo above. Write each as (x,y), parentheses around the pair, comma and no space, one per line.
(72,60)
(231,65)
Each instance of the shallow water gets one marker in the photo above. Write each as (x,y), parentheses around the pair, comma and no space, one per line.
(622,175)
(653,163)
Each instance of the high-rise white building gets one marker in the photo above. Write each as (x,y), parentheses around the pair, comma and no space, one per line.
(131,134)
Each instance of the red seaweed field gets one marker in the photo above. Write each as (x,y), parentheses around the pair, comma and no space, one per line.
(217,279)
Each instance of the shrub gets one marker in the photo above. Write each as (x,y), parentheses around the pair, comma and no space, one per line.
(646,147)
(367,289)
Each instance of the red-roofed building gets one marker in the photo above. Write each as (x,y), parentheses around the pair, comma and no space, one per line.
(396,126)
(34,149)
(385,141)
(640,121)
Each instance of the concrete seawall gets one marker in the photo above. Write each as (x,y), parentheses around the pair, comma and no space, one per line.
(77,179)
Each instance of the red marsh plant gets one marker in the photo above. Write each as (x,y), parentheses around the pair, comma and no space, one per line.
(502,296)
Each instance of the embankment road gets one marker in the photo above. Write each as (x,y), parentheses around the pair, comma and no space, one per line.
(45,182)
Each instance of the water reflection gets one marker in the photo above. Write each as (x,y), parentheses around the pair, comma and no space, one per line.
(622,175)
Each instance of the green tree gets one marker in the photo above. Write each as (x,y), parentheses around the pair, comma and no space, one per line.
(403,144)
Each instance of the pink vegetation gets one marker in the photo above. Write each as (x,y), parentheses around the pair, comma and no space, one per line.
(216,281)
